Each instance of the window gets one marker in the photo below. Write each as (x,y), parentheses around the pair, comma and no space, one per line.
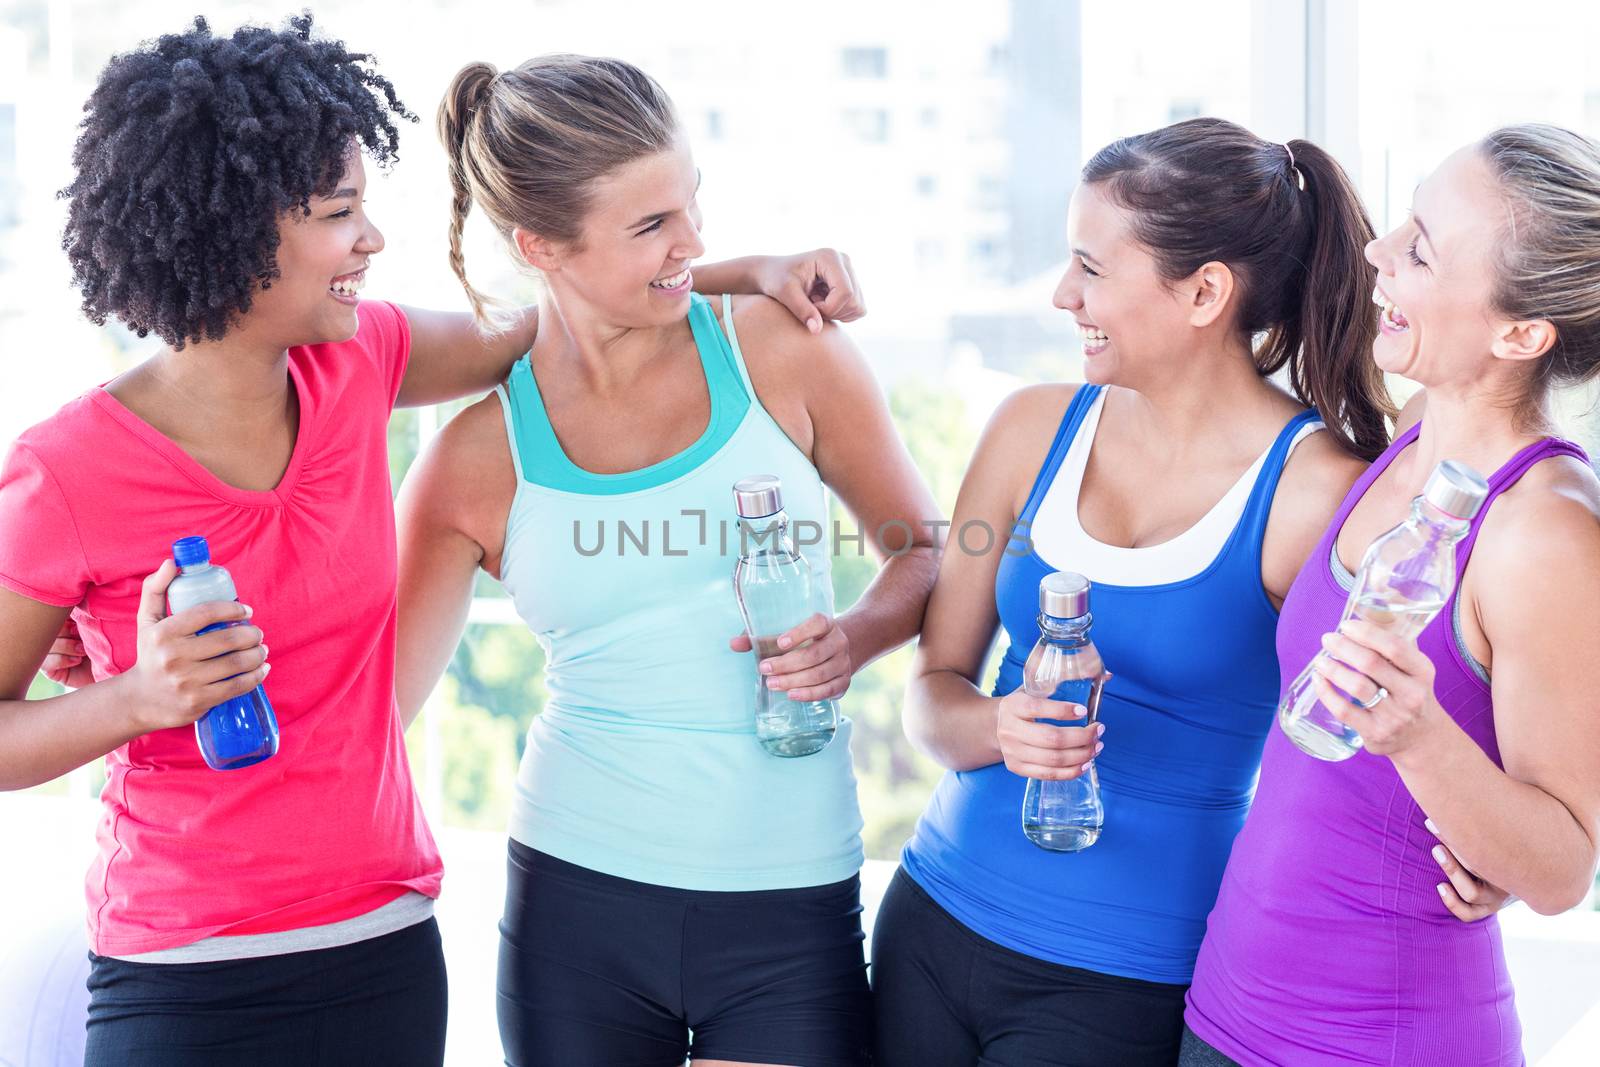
(1179,110)
(864,62)
(1144,68)
(944,170)
(9,193)
(1451,84)
(870,124)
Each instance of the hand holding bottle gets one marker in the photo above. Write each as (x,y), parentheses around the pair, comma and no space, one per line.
(779,599)
(1407,577)
(1386,670)
(181,673)
(1063,813)
(1035,749)
(816,665)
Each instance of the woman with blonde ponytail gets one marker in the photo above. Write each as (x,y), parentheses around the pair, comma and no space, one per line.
(1332,942)
(674,889)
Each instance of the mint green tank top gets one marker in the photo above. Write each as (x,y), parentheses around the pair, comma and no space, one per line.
(644,762)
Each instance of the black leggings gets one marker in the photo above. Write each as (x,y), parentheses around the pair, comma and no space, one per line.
(1196,1053)
(949,998)
(597,971)
(379,1002)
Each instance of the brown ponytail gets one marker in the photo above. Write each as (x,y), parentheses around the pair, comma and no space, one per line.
(1293,231)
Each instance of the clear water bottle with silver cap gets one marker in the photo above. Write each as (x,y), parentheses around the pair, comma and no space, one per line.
(777,591)
(1404,581)
(242,730)
(1065,816)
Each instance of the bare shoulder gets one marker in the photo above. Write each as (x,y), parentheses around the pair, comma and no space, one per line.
(1029,413)
(1016,440)
(1316,478)
(465,479)
(1314,482)
(777,346)
(801,378)
(475,434)
(1546,524)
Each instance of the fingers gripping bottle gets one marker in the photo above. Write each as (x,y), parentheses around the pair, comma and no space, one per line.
(777,591)
(1064,665)
(1405,579)
(242,730)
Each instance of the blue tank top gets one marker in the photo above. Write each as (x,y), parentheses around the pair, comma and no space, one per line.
(644,763)
(1194,690)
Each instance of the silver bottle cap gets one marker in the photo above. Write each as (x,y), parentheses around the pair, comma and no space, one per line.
(758,496)
(1064,595)
(1456,489)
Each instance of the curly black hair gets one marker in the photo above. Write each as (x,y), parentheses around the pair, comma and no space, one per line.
(191,151)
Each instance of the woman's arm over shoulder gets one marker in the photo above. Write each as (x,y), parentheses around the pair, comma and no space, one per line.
(452,356)
(823,395)
(451,515)
(1314,483)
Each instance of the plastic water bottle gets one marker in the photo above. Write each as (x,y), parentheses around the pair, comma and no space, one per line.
(243,730)
(1404,581)
(1065,816)
(777,591)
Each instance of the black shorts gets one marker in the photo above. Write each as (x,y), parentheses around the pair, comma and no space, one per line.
(947,997)
(379,1002)
(597,971)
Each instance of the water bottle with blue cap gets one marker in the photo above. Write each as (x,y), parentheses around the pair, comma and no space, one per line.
(243,730)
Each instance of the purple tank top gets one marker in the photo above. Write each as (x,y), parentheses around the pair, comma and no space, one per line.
(1329,943)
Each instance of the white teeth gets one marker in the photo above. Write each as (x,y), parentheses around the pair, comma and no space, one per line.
(1092,334)
(349,286)
(672,282)
(1389,311)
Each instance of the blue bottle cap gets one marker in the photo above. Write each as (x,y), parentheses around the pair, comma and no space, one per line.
(190,551)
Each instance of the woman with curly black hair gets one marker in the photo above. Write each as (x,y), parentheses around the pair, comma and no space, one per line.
(279,913)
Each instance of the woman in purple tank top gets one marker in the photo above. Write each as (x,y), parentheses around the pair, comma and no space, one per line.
(1331,942)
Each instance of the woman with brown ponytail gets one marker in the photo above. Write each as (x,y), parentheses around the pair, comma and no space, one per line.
(1189,488)
(667,876)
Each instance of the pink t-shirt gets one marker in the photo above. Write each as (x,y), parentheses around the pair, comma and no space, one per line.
(330,828)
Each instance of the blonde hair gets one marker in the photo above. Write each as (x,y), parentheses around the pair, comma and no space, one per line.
(527,144)
(1549,261)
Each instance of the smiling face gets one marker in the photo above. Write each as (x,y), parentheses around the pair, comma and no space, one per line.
(1128,316)
(322,261)
(1437,320)
(641,232)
